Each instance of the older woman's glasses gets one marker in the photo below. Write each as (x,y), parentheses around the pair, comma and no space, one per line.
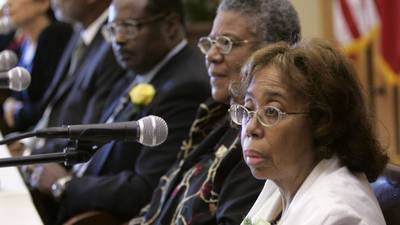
(267,116)
(128,28)
(223,43)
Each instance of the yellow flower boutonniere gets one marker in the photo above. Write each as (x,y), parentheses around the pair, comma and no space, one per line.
(142,94)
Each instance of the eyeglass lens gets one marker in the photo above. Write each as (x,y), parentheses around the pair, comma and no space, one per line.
(223,43)
(268,115)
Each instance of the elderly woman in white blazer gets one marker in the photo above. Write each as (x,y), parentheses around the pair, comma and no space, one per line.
(305,129)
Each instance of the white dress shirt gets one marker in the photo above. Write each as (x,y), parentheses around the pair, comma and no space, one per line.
(330,195)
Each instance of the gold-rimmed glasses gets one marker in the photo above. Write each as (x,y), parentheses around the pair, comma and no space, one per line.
(267,116)
(223,43)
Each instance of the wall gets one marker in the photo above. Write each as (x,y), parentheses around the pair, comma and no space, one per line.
(309,13)
(383,99)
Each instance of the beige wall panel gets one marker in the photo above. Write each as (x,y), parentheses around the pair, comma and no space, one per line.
(310,17)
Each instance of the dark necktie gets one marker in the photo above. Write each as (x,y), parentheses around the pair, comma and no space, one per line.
(76,56)
(123,102)
(94,166)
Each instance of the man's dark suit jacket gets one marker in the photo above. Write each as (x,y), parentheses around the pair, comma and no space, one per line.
(122,176)
(51,44)
(80,97)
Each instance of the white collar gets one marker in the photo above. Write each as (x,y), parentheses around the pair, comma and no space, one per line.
(90,32)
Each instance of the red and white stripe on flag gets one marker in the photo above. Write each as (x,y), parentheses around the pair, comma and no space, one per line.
(388,59)
(358,22)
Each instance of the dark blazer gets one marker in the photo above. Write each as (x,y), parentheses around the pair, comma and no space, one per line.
(51,44)
(80,97)
(121,176)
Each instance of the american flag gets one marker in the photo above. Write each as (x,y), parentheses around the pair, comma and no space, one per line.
(357,23)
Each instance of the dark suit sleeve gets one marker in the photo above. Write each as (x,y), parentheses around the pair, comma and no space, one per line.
(239,192)
(125,193)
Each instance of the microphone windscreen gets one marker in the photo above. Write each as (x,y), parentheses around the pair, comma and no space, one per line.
(8,59)
(20,78)
(153,130)
(6,25)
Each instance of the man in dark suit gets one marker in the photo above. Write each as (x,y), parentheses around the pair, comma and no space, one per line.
(83,79)
(85,74)
(148,38)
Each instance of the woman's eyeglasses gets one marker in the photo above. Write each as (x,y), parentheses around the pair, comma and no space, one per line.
(267,116)
(223,43)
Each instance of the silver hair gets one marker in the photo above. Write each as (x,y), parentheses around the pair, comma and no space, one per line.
(274,20)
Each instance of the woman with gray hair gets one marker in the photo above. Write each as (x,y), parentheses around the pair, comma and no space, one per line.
(209,183)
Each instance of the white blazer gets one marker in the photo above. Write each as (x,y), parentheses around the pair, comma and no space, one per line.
(330,195)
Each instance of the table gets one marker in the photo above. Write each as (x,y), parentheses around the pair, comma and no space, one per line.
(16,206)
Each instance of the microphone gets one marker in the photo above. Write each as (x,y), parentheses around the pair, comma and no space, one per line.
(148,131)
(16,79)
(6,25)
(8,59)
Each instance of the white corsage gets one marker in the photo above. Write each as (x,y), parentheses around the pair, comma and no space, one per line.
(247,221)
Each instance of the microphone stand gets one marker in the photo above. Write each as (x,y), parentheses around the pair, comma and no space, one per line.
(76,152)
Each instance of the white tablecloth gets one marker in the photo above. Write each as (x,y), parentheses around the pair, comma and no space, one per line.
(16,206)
